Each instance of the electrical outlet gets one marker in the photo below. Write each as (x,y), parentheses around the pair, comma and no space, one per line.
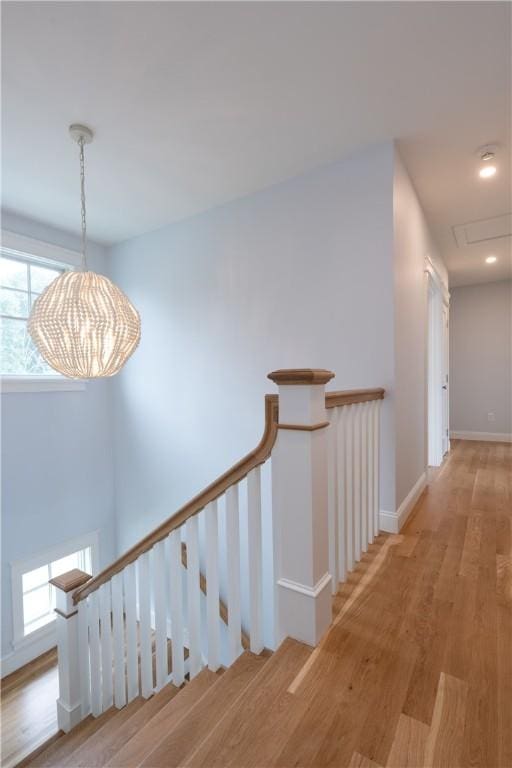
(491,416)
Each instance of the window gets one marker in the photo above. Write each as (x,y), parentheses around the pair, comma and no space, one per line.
(33,599)
(21,282)
(27,266)
(39,595)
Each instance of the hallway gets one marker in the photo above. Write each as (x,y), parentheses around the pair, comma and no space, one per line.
(418,667)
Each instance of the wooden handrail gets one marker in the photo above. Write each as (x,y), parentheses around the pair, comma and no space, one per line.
(242,468)
(351,396)
(195,505)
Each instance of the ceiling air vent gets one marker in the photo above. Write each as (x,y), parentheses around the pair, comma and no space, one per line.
(485,229)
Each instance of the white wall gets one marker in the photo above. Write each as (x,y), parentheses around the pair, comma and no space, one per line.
(412,243)
(57,470)
(298,275)
(481,358)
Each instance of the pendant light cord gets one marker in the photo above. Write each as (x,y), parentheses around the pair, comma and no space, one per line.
(82,200)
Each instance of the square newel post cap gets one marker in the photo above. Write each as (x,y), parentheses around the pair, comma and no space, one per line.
(66,584)
(300,376)
(70,580)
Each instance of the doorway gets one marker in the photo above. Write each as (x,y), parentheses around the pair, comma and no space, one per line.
(438,408)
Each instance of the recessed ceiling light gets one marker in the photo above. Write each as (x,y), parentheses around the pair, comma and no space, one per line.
(487,171)
(487,157)
(490,259)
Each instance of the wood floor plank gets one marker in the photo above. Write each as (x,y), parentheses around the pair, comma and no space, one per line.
(175,747)
(253,732)
(409,743)
(360,761)
(446,737)
(458,654)
(28,709)
(484,496)
(481,731)
(421,693)
(141,743)
(504,580)
(338,691)
(62,748)
(470,559)
(504,686)
(105,742)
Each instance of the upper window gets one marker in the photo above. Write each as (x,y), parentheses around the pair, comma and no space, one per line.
(27,266)
(21,282)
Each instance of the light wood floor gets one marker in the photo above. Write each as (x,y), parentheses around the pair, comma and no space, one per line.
(28,710)
(417,670)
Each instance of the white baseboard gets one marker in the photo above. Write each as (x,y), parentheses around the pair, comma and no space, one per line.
(28,651)
(490,437)
(393,522)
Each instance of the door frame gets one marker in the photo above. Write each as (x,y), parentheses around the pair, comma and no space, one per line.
(438,442)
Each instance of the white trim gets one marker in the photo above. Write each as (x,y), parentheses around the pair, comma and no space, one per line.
(10,384)
(393,522)
(19,567)
(20,245)
(491,437)
(430,268)
(303,588)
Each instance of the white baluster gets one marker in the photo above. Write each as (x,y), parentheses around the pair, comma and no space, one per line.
(364,476)
(371,509)
(118,629)
(106,645)
(212,585)
(342,544)
(349,480)
(332,496)
(176,607)
(159,585)
(357,482)
(130,607)
(146,662)
(94,642)
(233,572)
(376,460)
(255,559)
(193,596)
(83,652)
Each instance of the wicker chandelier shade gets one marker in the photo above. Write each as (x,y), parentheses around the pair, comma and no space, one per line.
(82,324)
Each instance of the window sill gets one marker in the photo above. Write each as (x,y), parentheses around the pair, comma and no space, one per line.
(10,384)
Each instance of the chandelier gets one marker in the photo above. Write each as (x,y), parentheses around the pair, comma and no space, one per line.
(82,324)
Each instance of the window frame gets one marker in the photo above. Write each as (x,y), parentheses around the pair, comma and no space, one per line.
(19,567)
(46,254)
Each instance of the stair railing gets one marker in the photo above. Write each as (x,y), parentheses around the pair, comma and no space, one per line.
(140,624)
(354,472)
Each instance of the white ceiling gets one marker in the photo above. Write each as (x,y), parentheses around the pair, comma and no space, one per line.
(196,103)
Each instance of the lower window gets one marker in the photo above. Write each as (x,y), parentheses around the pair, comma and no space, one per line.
(33,598)
(39,595)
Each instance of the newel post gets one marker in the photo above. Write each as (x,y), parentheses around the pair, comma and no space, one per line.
(69,703)
(299,503)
